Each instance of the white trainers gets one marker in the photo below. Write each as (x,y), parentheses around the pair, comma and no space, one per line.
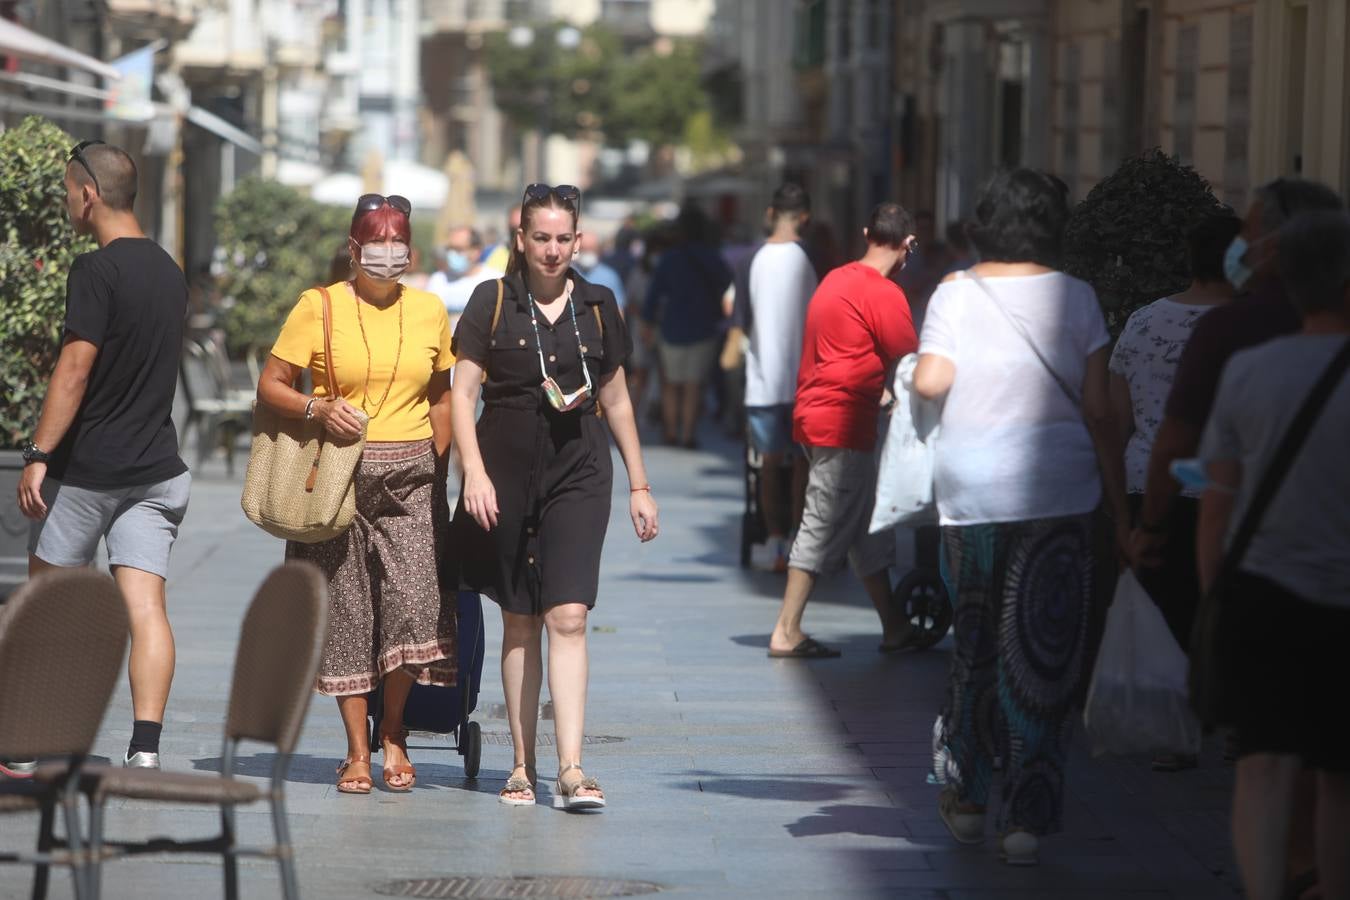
(966,827)
(770,556)
(141,760)
(1019,848)
(18,768)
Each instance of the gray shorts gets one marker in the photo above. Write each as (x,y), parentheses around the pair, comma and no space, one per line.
(139,524)
(687,363)
(839,494)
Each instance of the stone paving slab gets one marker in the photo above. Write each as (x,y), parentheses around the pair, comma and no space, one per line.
(738,777)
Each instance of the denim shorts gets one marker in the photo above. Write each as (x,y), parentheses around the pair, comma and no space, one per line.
(138,523)
(770,428)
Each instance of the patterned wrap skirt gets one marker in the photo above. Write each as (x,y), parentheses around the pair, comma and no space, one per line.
(1023,595)
(386,607)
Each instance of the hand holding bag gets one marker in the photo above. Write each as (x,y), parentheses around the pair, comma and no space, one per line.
(300,483)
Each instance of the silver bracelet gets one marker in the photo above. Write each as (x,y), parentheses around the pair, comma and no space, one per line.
(309,408)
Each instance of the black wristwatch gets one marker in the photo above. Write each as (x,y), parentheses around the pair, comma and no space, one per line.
(32,454)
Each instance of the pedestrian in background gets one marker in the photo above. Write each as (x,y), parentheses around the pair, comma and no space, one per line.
(1142,366)
(103,461)
(684,302)
(1286,610)
(388,624)
(857,328)
(596,270)
(1017,351)
(780,283)
(535,505)
(463,251)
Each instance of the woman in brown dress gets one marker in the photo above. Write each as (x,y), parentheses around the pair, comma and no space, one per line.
(391,360)
(537,473)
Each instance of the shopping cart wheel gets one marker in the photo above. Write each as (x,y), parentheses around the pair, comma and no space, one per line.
(921,597)
(472,741)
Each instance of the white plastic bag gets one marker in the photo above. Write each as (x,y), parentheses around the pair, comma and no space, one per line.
(1138,700)
(905,468)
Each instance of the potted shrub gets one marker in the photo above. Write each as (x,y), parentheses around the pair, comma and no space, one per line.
(1128,237)
(37,246)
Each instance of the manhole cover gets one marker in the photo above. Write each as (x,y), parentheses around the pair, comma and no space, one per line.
(503,738)
(530,886)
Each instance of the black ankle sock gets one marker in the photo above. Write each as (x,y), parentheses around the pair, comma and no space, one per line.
(144,737)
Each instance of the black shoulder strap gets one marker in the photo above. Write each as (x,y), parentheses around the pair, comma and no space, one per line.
(1026,338)
(1284,457)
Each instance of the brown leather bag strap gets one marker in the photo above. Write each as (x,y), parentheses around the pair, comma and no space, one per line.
(497,310)
(328,342)
(332,381)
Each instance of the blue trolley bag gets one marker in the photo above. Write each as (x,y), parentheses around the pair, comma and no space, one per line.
(446,710)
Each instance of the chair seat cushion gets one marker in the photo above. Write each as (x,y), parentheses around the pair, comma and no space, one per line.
(103,781)
(176,787)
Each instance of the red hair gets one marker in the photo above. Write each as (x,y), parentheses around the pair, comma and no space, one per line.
(383,224)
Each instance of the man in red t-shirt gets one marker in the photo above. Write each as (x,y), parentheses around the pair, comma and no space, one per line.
(857,326)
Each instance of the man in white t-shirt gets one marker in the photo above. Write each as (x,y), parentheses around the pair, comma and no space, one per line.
(463,248)
(781,283)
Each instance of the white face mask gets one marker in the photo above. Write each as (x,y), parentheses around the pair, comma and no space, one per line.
(384,261)
(588,259)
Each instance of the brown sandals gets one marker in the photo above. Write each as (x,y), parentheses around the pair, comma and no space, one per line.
(357,771)
(398,739)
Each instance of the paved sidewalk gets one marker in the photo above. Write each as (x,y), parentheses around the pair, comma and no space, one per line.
(735,776)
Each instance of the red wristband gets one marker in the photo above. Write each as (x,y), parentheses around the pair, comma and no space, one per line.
(645,487)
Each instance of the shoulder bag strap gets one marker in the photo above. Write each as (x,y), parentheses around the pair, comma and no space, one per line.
(328,342)
(313,477)
(497,310)
(1284,457)
(1026,338)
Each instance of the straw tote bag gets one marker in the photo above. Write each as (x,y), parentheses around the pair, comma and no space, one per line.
(300,483)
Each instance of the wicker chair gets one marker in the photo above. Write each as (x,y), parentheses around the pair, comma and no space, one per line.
(274,672)
(62,638)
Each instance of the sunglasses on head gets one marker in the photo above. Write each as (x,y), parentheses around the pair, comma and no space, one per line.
(568,193)
(77,155)
(371,202)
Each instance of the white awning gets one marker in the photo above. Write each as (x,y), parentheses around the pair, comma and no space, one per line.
(195,114)
(15,40)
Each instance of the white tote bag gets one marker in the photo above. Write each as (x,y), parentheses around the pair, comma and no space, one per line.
(905,467)
(1138,701)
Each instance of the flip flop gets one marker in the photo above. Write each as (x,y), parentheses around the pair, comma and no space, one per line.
(810,648)
(908,642)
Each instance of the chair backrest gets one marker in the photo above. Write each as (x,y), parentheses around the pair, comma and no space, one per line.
(62,638)
(278,658)
(198,378)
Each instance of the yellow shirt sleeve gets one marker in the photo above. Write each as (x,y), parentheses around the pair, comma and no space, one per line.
(445,357)
(302,335)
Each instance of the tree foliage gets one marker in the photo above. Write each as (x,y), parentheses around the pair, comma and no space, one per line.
(273,244)
(598,88)
(37,247)
(1128,237)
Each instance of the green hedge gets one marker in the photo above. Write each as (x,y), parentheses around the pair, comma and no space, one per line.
(37,247)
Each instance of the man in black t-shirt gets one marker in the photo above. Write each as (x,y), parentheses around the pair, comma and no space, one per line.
(103,462)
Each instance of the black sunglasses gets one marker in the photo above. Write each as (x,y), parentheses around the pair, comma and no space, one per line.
(77,155)
(371,202)
(567,193)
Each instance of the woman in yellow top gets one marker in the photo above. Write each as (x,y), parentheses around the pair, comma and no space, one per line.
(391,360)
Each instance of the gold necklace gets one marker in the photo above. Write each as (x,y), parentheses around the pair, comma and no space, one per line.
(393,376)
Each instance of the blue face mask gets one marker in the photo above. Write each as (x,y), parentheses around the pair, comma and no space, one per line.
(1235,270)
(457,262)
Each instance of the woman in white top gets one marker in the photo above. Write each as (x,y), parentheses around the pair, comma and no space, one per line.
(1017,352)
(1143,364)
